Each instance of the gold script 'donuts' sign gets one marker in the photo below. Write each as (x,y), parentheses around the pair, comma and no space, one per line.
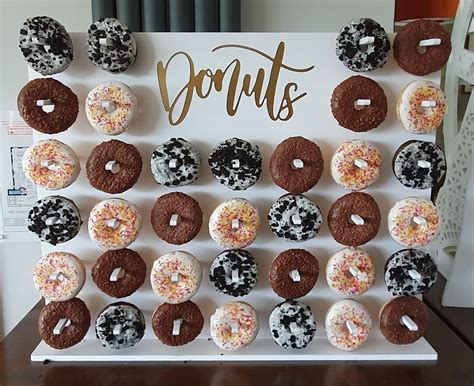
(202,82)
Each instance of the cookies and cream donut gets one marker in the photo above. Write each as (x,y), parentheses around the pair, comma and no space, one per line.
(111,45)
(120,325)
(54,219)
(422,47)
(51,164)
(359,104)
(356,164)
(421,107)
(347,324)
(234,223)
(236,163)
(234,272)
(119,273)
(234,326)
(114,166)
(36,99)
(296,164)
(362,45)
(111,107)
(414,222)
(419,164)
(294,217)
(177,324)
(292,324)
(59,276)
(350,271)
(175,163)
(45,45)
(403,320)
(176,277)
(410,272)
(64,324)
(114,223)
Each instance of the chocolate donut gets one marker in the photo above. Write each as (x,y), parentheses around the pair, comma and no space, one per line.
(176,218)
(283,279)
(75,329)
(236,163)
(359,118)
(114,166)
(54,219)
(296,164)
(47,91)
(362,57)
(421,60)
(188,316)
(124,283)
(419,164)
(391,324)
(221,272)
(354,219)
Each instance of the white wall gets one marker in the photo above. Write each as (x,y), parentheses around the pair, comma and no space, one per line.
(17,294)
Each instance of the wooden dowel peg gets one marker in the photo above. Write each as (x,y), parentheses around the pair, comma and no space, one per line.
(424,164)
(177,326)
(109,106)
(418,220)
(295,275)
(235,223)
(360,163)
(50,164)
(429,42)
(58,275)
(235,276)
(174,220)
(37,40)
(116,274)
(294,329)
(174,277)
(235,164)
(428,104)
(53,220)
(296,219)
(112,166)
(297,163)
(357,220)
(366,40)
(58,329)
(173,164)
(351,327)
(234,328)
(117,329)
(363,102)
(44,102)
(414,274)
(106,42)
(354,271)
(408,323)
(112,223)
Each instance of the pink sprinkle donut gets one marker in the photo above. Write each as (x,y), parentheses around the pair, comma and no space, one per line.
(114,223)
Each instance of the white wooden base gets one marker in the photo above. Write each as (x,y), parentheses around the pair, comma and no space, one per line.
(202,350)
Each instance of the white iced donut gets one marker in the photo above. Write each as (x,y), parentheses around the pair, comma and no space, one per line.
(111,107)
(350,271)
(234,326)
(234,223)
(114,223)
(347,324)
(356,164)
(421,107)
(59,276)
(176,277)
(414,222)
(51,164)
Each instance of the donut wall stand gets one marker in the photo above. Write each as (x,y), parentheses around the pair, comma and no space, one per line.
(205,105)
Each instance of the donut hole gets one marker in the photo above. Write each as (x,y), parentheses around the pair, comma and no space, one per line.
(359,107)
(421,50)
(47,108)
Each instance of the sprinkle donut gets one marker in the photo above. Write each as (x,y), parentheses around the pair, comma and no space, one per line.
(114,223)
(414,222)
(176,277)
(356,164)
(350,271)
(294,217)
(236,163)
(59,276)
(234,223)
(111,107)
(234,326)
(175,163)
(347,324)
(45,45)
(358,55)
(54,219)
(410,272)
(421,107)
(38,94)
(111,45)
(51,164)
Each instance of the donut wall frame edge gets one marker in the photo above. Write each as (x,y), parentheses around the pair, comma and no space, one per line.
(206,124)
